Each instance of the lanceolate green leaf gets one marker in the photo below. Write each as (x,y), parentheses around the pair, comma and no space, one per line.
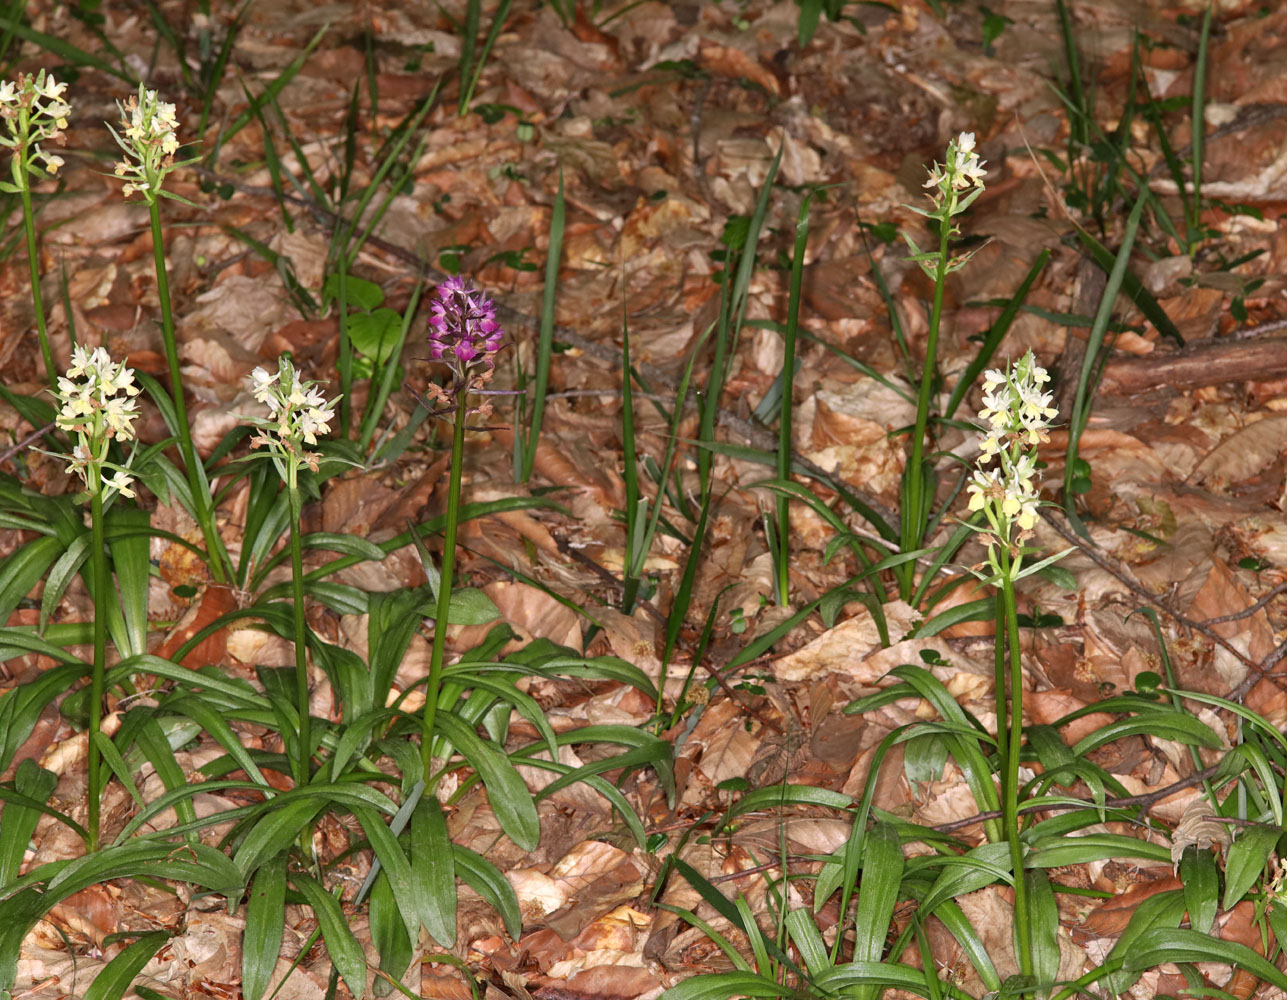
(433,867)
(23,569)
(1245,861)
(265,921)
(127,539)
(509,797)
(414,908)
(116,977)
(485,879)
(21,706)
(341,945)
(274,832)
(722,985)
(18,820)
(882,873)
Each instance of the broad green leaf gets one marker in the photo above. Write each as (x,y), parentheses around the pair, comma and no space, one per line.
(978,867)
(508,795)
(1245,861)
(375,333)
(808,941)
(470,606)
(485,879)
(21,706)
(722,985)
(967,935)
(261,943)
(1161,945)
(397,869)
(1043,921)
(274,832)
(116,976)
(433,868)
(777,796)
(18,821)
(23,569)
(1163,722)
(341,945)
(1201,881)
(882,873)
(361,293)
(388,933)
(129,544)
(1054,851)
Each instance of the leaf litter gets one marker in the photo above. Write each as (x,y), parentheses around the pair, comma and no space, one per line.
(662,121)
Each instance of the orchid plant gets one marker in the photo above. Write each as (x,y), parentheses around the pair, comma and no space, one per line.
(1015,418)
(297,413)
(97,405)
(954,185)
(148,136)
(464,335)
(34,112)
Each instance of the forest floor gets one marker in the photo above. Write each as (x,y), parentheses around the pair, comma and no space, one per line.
(661,121)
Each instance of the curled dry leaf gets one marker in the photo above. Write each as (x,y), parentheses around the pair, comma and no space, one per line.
(1199,828)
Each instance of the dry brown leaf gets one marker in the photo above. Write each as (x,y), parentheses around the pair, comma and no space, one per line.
(353,506)
(1044,707)
(1222,594)
(1110,918)
(844,649)
(536,612)
(214,602)
(1243,454)
(1199,828)
(622,981)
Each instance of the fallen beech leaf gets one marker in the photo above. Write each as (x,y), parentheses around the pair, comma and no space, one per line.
(1110,918)
(215,600)
(1197,828)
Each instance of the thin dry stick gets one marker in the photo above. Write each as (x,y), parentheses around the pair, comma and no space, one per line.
(1146,800)
(25,443)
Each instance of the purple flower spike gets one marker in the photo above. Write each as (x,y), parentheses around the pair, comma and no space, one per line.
(462,326)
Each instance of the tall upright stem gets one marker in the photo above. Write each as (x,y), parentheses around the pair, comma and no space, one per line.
(914,517)
(1013,736)
(196,480)
(98,566)
(33,261)
(445,578)
(300,763)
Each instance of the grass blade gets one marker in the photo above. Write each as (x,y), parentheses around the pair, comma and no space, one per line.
(545,341)
(783,557)
(1085,390)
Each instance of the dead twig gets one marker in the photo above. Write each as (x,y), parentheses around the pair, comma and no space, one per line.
(1145,800)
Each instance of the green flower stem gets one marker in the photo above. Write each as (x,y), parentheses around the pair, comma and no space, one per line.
(98,567)
(916,505)
(1013,736)
(33,260)
(196,481)
(444,581)
(300,763)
